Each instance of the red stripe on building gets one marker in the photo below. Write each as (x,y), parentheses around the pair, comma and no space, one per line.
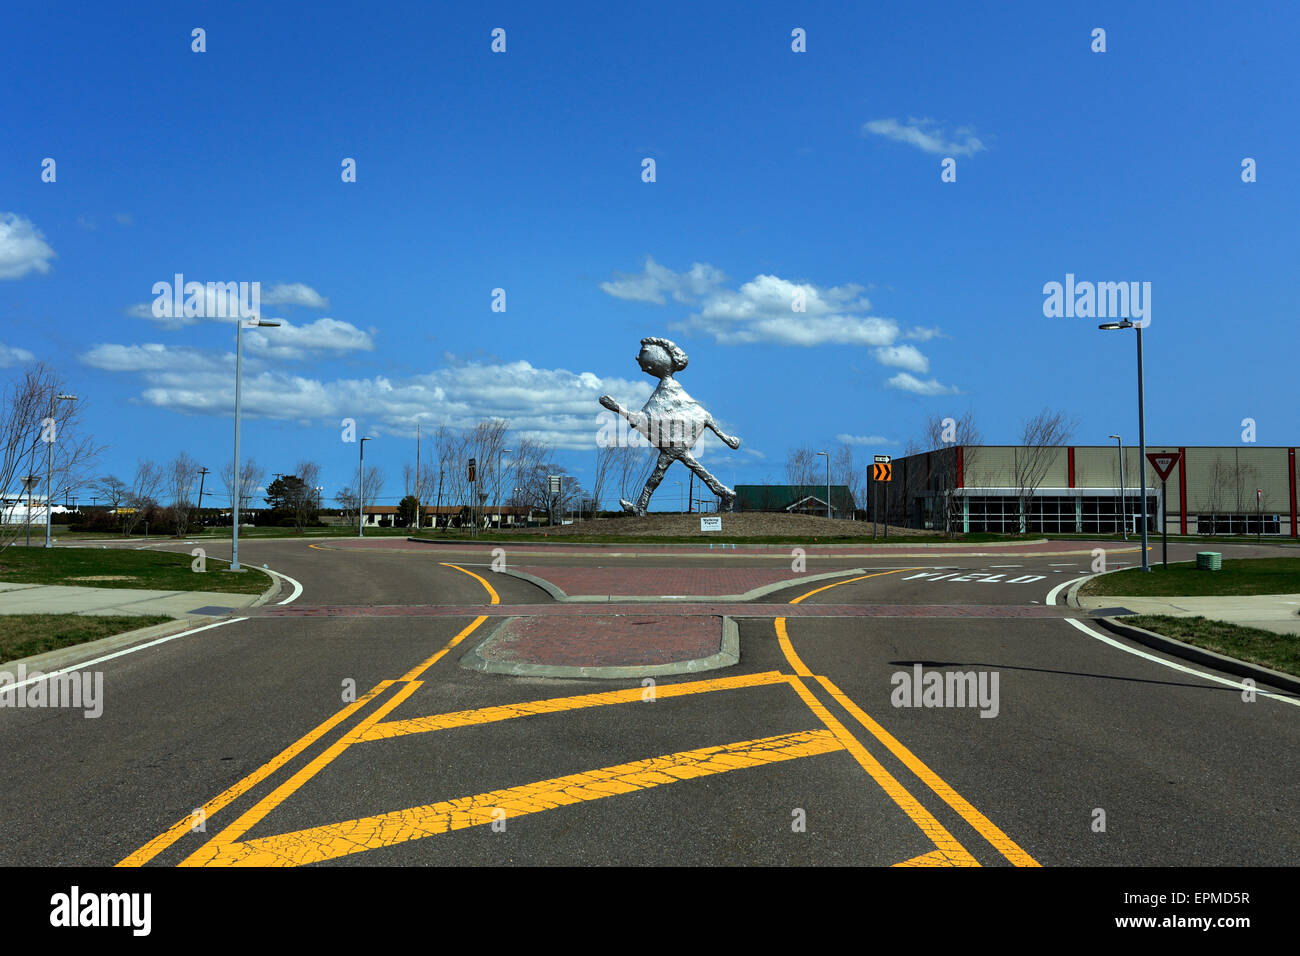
(961,475)
(1291,459)
(1071,466)
(1182,488)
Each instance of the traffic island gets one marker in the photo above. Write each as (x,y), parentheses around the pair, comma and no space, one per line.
(611,646)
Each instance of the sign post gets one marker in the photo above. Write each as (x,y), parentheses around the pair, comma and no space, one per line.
(473,467)
(1163,462)
(882,471)
(1259,517)
(553,493)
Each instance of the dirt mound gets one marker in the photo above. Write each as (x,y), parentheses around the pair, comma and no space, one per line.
(746,525)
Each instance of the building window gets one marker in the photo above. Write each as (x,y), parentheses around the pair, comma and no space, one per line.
(1239,524)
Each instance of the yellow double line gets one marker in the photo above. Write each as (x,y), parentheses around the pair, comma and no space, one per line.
(949,850)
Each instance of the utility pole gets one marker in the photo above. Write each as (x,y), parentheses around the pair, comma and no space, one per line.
(203,472)
(417,476)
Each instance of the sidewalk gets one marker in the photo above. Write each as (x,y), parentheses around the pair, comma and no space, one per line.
(1279,613)
(60,599)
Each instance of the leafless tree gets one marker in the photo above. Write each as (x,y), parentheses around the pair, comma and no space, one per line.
(40,433)
(250,477)
(347,499)
(600,477)
(1040,438)
(306,506)
(112,489)
(374,486)
(801,466)
(847,474)
(180,476)
(146,482)
(941,436)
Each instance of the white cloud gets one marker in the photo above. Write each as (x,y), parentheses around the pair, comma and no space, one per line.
(923,334)
(927,135)
(294,293)
(656,280)
(902,356)
(290,341)
(11,355)
(865,440)
(553,405)
(22,247)
(151,356)
(910,383)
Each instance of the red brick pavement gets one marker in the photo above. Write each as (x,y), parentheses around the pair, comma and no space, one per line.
(683,609)
(659,581)
(604,640)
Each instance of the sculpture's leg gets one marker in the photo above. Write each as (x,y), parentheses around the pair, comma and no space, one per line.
(651,483)
(727,496)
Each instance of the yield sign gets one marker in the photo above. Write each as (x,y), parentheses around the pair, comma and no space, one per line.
(1163,462)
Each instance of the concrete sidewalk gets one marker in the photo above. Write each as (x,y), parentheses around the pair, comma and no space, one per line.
(60,599)
(1279,613)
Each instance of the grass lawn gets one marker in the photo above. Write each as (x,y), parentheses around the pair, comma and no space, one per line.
(1276,651)
(22,635)
(118,568)
(1240,576)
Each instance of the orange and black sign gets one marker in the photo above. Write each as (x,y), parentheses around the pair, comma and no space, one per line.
(882,472)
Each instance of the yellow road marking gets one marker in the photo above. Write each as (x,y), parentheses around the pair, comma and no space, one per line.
(484,715)
(850,581)
(495,599)
(1003,843)
(420,668)
(933,858)
(922,817)
(387,829)
(159,843)
(253,816)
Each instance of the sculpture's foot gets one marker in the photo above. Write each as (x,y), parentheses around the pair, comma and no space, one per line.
(631,508)
(728,502)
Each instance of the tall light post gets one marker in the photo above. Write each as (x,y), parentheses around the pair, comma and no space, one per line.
(417,476)
(49,458)
(1123,492)
(361,486)
(828,484)
(1142,429)
(236,476)
(681,503)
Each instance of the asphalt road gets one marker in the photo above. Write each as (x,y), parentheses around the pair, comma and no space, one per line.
(800,754)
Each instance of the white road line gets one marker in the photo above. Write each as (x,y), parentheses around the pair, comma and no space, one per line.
(1068,564)
(297,588)
(1051,595)
(1179,667)
(1006,565)
(129,650)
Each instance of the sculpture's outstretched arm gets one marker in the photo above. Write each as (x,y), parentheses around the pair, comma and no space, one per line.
(636,419)
(731,441)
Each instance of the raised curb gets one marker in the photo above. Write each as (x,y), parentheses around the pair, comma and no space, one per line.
(1202,656)
(728,655)
(751,595)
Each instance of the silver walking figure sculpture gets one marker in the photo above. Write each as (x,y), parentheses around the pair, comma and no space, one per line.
(673,422)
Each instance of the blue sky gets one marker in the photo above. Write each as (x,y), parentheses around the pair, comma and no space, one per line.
(775,170)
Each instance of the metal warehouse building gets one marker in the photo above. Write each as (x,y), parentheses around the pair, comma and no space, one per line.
(1244,489)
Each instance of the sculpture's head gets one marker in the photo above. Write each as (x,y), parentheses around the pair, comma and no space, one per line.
(660,357)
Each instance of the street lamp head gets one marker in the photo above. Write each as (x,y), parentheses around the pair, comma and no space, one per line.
(1112,326)
(1116,437)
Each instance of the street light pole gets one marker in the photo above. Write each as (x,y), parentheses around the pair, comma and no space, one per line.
(827,456)
(361,486)
(49,457)
(1123,492)
(1142,430)
(236,476)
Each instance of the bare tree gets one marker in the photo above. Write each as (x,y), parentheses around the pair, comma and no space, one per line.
(347,499)
(180,475)
(801,466)
(847,474)
(41,433)
(941,436)
(605,455)
(306,505)
(146,482)
(1040,437)
(250,476)
(112,489)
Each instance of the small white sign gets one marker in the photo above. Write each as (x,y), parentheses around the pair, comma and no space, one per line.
(713,523)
